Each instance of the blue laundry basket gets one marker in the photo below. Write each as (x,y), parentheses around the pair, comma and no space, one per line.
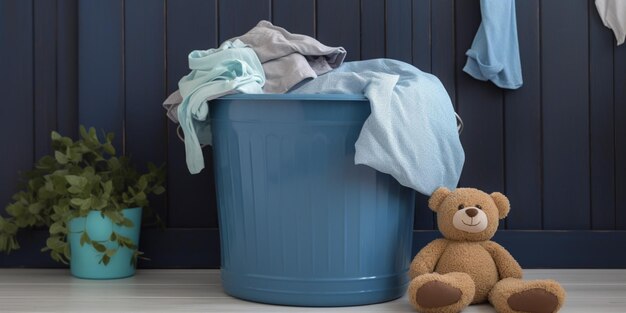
(300,224)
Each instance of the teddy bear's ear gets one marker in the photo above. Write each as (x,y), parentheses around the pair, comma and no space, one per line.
(503,204)
(437,198)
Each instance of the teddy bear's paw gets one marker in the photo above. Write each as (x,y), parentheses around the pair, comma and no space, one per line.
(435,294)
(514,295)
(536,300)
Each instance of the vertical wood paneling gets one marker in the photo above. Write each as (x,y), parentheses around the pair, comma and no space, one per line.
(421,34)
(67,67)
(619,89)
(443,61)
(228,28)
(565,79)
(602,136)
(45,82)
(144,54)
(522,117)
(339,24)
(241,15)
(424,217)
(297,17)
(101,72)
(372,26)
(399,30)
(16,81)
(443,52)
(481,106)
(556,146)
(191,198)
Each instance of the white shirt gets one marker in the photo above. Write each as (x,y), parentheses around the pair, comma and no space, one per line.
(613,14)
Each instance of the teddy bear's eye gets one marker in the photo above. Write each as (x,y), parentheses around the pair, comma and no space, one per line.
(461,206)
(479,207)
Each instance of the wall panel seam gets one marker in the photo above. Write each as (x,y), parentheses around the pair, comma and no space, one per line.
(33,80)
(589,146)
(56,65)
(123,61)
(166,194)
(614,140)
(541,141)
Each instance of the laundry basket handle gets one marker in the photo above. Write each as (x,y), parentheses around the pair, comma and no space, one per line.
(459,123)
(182,137)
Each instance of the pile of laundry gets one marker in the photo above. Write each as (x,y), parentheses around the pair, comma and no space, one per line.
(410,134)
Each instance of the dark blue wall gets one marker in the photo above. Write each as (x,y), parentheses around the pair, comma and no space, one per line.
(556,147)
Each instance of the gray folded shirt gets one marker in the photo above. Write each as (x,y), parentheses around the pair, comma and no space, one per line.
(287,60)
(290,58)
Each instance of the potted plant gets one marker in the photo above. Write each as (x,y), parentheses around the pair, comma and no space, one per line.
(90,200)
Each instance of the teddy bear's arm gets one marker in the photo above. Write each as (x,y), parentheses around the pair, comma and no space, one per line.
(426,260)
(507,265)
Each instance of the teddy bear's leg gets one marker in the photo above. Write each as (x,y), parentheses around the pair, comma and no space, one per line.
(436,293)
(512,295)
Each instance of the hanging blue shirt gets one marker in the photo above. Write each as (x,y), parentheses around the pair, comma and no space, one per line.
(411,133)
(233,67)
(494,54)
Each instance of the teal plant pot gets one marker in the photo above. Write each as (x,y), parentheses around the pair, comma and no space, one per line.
(85,260)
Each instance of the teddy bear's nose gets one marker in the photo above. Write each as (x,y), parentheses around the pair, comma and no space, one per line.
(471,212)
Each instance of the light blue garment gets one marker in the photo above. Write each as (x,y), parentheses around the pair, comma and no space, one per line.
(233,67)
(411,133)
(494,54)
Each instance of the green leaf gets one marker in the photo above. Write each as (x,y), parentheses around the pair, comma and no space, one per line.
(57,228)
(136,255)
(126,242)
(46,163)
(86,206)
(158,190)
(84,238)
(105,259)
(66,252)
(108,148)
(93,134)
(55,136)
(75,190)
(77,201)
(76,180)
(83,132)
(140,196)
(98,246)
(7,227)
(35,208)
(54,243)
(66,141)
(107,187)
(60,157)
(115,216)
(142,183)
(127,223)
(98,204)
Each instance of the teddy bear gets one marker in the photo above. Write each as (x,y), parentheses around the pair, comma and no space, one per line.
(466,267)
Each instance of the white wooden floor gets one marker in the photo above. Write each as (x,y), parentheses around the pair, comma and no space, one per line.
(31,290)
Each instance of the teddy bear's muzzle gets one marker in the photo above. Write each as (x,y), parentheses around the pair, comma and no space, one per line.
(470,219)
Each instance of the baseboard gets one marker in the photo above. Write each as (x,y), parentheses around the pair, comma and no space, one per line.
(166,248)
(199,248)
(555,248)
